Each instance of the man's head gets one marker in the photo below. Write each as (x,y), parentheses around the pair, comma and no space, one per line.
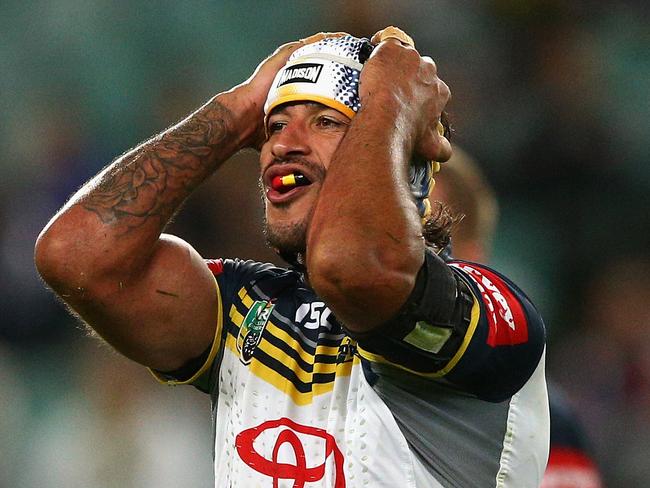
(308,109)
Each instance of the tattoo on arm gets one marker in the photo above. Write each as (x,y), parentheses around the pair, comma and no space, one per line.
(152,180)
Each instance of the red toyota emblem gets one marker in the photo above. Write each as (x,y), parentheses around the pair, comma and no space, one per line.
(299,472)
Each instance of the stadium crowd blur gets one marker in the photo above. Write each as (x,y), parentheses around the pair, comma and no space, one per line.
(551,96)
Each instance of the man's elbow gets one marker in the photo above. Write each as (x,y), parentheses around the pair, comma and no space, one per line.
(363,293)
(63,264)
(48,253)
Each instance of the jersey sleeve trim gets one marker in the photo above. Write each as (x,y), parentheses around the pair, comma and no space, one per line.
(216,344)
(475,316)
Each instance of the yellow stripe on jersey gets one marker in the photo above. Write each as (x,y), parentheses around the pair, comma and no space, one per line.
(342,369)
(471,328)
(297,346)
(290,341)
(236,317)
(339,369)
(283,384)
(245,299)
(216,343)
(304,376)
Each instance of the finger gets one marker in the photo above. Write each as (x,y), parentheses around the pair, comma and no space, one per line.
(392,32)
(441,135)
(281,55)
(445,150)
(429,60)
(287,48)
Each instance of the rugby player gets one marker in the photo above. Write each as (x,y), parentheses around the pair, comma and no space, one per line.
(367,360)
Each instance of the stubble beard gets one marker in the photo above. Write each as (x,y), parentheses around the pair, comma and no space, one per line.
(290,239)
(287,239)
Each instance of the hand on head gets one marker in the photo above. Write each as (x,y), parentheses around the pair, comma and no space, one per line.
(396,73)
(256,88)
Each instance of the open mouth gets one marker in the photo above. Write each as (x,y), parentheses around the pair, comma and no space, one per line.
(286,181)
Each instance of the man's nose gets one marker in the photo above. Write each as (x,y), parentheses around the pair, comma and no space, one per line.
(292,140)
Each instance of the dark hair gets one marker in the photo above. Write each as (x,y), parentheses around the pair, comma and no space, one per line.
(438,227)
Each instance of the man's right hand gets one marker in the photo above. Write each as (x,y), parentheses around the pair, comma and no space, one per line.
(397,76)
(252,93)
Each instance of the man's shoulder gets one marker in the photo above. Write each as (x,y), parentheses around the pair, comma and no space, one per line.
(240,276)
(226,266)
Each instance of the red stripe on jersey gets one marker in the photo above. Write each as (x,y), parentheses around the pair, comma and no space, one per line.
(505,315)
(215,265)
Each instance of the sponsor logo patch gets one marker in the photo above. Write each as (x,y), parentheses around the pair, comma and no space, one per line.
(301,73)
(347,350)
(313,315)
(300,453)
(250,332)
(505,315)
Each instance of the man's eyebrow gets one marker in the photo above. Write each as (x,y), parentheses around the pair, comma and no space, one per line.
(282,109)
(278,110)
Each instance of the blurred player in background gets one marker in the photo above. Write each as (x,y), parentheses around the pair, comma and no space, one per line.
(462,185)
(368,361)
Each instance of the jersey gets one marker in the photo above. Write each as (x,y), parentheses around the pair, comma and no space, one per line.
(298,403)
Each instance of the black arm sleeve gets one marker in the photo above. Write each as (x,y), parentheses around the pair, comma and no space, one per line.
(464,324)
(433,319)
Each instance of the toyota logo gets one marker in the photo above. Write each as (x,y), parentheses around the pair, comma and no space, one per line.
(299,472)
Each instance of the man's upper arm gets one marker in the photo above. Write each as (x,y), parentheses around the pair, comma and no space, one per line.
(232,277)
(162,316)
(508,340)
(487,340)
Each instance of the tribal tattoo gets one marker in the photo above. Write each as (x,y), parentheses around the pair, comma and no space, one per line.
(152,180)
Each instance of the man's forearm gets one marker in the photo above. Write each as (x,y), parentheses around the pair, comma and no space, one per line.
(365,203)
(147,184)
(113,223)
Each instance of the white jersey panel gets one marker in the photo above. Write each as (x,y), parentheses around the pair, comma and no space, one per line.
(345,438)
(526,443)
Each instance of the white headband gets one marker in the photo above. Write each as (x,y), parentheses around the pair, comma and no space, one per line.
(326,71)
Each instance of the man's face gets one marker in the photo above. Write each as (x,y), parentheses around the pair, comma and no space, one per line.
(302,140)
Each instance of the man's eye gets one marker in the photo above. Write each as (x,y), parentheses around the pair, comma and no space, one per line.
(328,122)
(275,127)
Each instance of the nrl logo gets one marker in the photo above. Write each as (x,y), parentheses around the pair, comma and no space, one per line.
(250,332)
(301,73)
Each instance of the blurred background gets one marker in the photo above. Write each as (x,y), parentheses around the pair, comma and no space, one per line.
(551,97)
